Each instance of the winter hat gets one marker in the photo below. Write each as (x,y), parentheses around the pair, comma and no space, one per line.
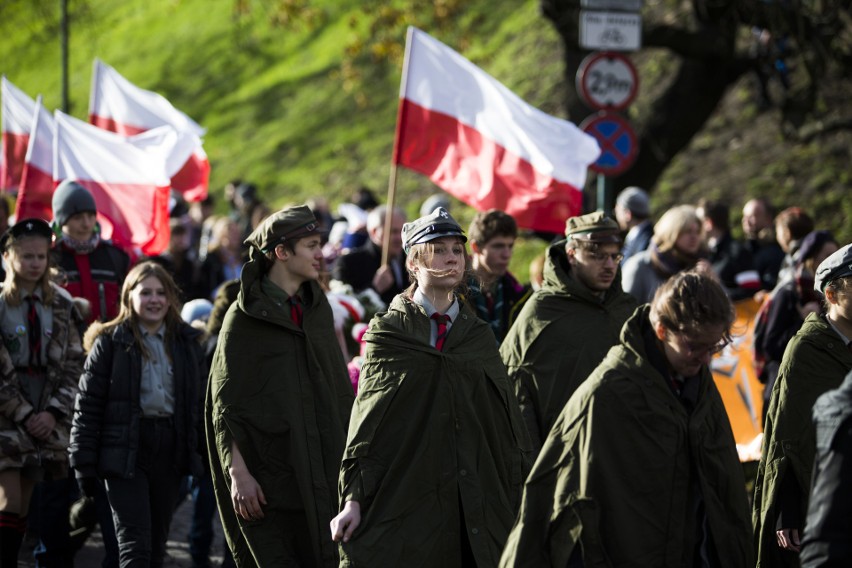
(69,199)
(811,245)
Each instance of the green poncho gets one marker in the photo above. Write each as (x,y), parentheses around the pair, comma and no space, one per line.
(284,396)
(815,361)
(561,335)
(625,468)
(431,430)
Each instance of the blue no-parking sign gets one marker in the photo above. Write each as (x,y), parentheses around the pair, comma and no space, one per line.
(617,140)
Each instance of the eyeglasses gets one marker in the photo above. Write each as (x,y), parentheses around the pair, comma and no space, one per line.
(601,257)
(696,349)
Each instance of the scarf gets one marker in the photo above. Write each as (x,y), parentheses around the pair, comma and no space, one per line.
(81,247)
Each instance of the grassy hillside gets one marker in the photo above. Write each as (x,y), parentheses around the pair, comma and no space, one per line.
(278,108)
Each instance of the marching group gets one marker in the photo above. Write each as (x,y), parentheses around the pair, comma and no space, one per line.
(570,422)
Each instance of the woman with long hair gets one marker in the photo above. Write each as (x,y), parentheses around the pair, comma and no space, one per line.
(137,411)
(437,449)
(641,468)
(676,246)
(40,359)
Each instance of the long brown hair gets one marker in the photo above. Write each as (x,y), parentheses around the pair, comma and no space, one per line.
(689,301)
(139,273)
(11,286)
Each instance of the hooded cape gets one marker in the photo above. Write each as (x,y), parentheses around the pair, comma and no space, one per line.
(621,467)
(816,360)
(433,433)
(282,393)
(561,335)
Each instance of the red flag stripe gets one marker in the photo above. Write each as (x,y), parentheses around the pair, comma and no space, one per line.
(481,172)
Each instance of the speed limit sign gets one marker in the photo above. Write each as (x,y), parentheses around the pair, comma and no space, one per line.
(607,81)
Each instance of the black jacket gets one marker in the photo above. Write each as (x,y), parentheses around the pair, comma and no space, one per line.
(107,412)
(358,267)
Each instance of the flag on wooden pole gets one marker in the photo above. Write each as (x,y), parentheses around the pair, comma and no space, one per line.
(118,105)
(130,185)
(36,189)
(480,142)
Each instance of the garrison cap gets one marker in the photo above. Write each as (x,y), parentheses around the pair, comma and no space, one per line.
(26,228)
(593,227)
(838,265)
(439,223)
(285,225)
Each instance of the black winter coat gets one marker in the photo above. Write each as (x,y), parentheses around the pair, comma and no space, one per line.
(107,412)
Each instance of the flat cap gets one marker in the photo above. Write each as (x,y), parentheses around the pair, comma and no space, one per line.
(26,228)
(594,227)
(635,200)
(287,224)
(439,223)
(838,265)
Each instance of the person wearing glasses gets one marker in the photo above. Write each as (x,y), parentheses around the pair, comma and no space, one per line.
(567,326)
(641,467)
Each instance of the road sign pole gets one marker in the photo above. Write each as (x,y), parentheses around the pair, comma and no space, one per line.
(605,194)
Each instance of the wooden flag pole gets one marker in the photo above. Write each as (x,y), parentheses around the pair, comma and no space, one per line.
(396,145)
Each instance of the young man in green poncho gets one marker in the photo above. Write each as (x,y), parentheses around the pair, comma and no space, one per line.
(278,403)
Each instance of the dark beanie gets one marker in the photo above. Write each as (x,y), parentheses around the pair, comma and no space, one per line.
(69,199)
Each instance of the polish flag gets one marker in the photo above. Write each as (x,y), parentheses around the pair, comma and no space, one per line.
(36,190)
(118,105)
(15,121)
(480,142)
(130,185)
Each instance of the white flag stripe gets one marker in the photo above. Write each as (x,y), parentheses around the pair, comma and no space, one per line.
(18,109)
(83,151)
(178,146)
(442,80)
(42,131)
(116,98)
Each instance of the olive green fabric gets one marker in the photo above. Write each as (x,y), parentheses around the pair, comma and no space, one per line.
(621,470)
(561,335)
(815,361)
(283,395)
(431,429)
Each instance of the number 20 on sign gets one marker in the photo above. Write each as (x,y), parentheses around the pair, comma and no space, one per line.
(607,81)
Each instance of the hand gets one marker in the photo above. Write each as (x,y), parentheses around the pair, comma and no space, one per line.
(383,279)
(246,495)
(788,539)
(345,523)
(704,267)
(40,425)
(809,308)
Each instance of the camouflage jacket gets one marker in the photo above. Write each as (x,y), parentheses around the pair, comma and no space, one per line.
(64,364)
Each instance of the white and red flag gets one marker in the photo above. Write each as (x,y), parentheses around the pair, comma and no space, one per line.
(130,184)
(15,123)
(36,189)
(480,142)
(118,105)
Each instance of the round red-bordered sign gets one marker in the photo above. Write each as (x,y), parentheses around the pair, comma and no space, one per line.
(607,80)
(618,142)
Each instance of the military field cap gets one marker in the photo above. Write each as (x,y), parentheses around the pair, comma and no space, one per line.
(285,225)
(26,228)
(838,265)
(439,223)
(594,227)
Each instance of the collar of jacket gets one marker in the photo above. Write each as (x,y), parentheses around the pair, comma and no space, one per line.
(558,280)
(254,303)
(124,335)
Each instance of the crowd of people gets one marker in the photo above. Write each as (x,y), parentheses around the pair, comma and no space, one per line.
(358,389)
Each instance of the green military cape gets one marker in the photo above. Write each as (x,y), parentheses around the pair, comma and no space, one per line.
(429,429)
(815,361)
(283,395)
(561,335)
(613,476)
